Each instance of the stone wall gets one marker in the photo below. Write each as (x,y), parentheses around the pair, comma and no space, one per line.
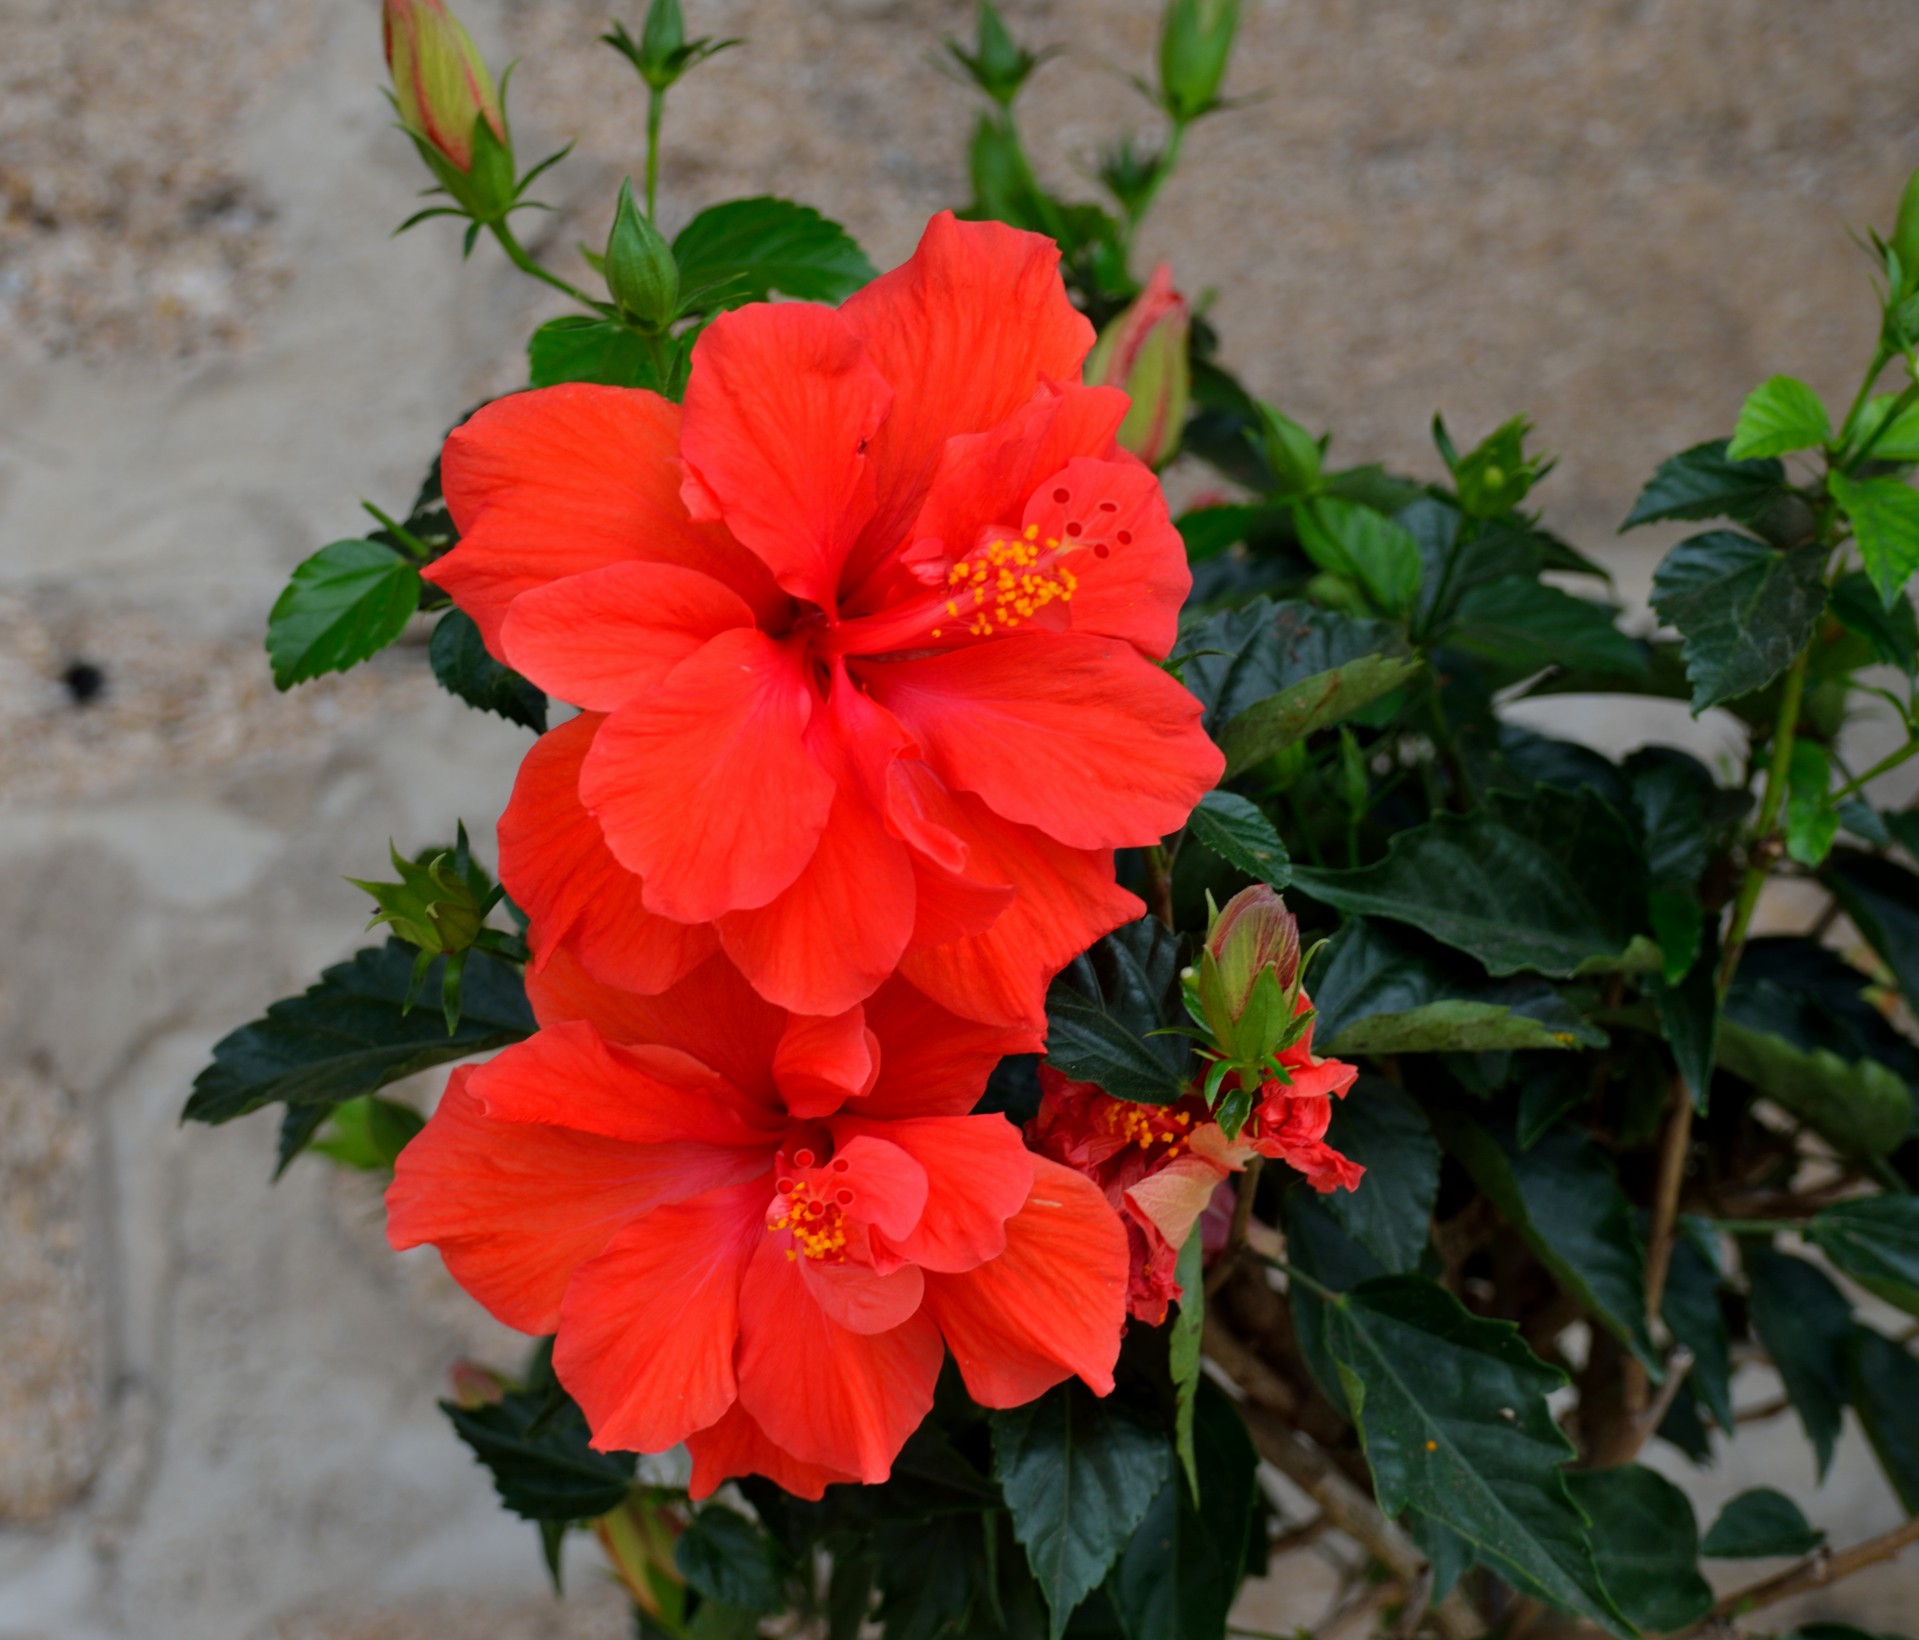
(216,1415)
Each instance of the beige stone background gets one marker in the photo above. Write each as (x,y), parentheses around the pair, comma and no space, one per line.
(216,1415)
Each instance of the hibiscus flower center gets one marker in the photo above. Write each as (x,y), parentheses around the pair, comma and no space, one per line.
(1148,1125)
(1004,582)
(812,1210)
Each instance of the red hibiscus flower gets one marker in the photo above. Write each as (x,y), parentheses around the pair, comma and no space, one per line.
(1291,1117)
(866,636)
(1159,1166)
(761,1239)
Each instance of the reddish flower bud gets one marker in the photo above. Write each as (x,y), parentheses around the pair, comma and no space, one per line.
(1253,936)
(1143,351)
(440,83)
(475,1386)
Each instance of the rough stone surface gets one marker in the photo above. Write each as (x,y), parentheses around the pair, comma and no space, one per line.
(1617,217)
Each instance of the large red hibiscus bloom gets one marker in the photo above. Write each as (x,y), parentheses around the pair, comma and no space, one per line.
(865,637)
(760,1239)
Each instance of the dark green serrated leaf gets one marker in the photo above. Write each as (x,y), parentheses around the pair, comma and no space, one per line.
(1805,1324)
(1551,881)
(1861,1106)
(1524,624)
(345,603)
(1782,414)
(1453,1416)
(1363,547)
(723,1556)
(463,667)
(1103,1007)
(1891,630)
(1882,898)
(1704,482)
(1688,1014)
(1743,609)
(1875,1240)
(534,1443)
(1692,1311)
(350,1034)
(1885,524)
(575,348)
(1885,1394)
(1181,1569)
(1079,1475)
(1646,1541)
(1314,703)
(1564,1200)
(1383,1128)
(1380,990)
(749,248)
(1317,1245)
(1759,1524)
(1235,829)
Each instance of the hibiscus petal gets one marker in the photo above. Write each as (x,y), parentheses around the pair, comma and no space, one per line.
(829,1396)
(979,1176)
(965,330)
(1077,735)
(932,1062)
(601,638)
(1049,1307)
(1172,1198)
(861,1299)
(780,406)
(556,865)
(822,1062)
(566,479)
(706,787)
(1131,568)
(878,1183)
(736,1446)
(516,1208)
(647,1329)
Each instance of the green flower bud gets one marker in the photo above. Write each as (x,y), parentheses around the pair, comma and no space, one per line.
(639,1539)
(640,271)
(1195,41)
(432,906)
(1905,239)
(998,64)
(1144,352)
(1249,973)
(449,105)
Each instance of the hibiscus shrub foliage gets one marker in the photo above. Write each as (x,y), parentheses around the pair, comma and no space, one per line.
(1028,1054)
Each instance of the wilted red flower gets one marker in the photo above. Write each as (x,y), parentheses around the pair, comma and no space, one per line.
(1159,1166)
(758,1233)
(1291,1118)
(867,635)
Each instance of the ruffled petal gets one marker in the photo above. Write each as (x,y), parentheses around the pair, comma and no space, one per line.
(1077,735)
(736,1446)
(647,1329)
(979,1177)
(781,404)
(556,865)
(1049,1307)
(601,638)
(932,1062)
(965,330)
(516,1208)
(706,786)
(862,1299)
(823,1062)
(829,1396)
(562,480)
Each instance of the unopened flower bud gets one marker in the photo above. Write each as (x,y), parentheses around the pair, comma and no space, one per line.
(431,906)
(1249,973)
(638,1538)
(1143,351)
(1195,42)
(1905,239)
(475,1386)
(449,105)
(641,274)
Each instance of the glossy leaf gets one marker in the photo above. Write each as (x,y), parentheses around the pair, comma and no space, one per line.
(1882,898)
(1524,624)
(464,668)
(1646,1541)
(1861,1106)
(1314,703)
(1885,524)
(1696,1318)
(1236,829)
(1704,482)
(1889,628)
(1885,1394)
(1782,414)
(1743,609)
(749,248)
(345,603)
(1454,1420)
(575,348)
(1805,1323)
(1383,1128)
(723,1556)
(1079,1475)
(366,1134)
(1875,1240)
(1759,1524)
(1363,547)
(534,1444)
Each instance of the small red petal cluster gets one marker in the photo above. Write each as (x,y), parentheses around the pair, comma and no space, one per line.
(1164,1168)
(865,642)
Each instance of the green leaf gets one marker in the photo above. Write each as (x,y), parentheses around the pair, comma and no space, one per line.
(723,1556)
(350,1034)
(1692,1311)
(1551,881)
(1079,1474)
(1236,829)
(1885,1394)
(1889,628)
(1779,416)
(1805,1323)
(1688,1014)
(1882,898)
(1362,547)
(753,247)
(1743,609)
(1453,1416)
(1183,1351)
(575,348)
(1875,1240)
(1885,523)
(367,1133)
(1565,1202)
(1524,625)
(464,668)
(1646,1541)
(534,1444)
(1704,482)
(1758,1525)
(1860,1106)
(1318,1247)
(1383,1128)
(1241,657)
(1103,1007)
(345,603)
(1273,724)
(1181,1570)
(1379,990)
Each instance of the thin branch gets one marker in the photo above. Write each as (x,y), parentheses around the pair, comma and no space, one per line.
(1816,1571)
